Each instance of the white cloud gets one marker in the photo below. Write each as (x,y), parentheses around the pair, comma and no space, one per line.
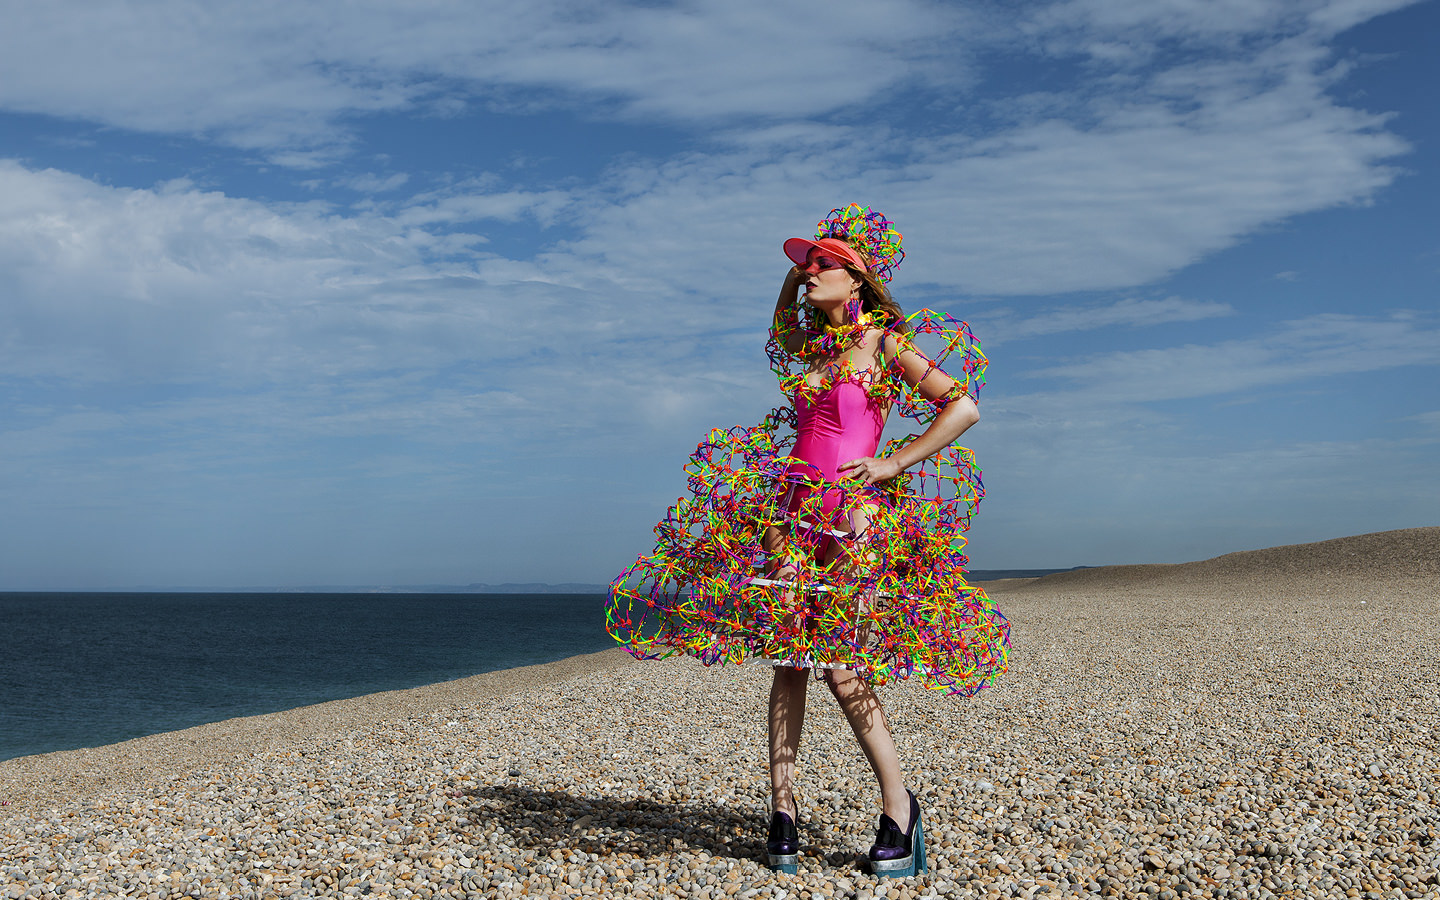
(393,327)
(1429,419)
(371,183)
(1126,176)
(1129,313)
(164,280)
(1044,207)
(1145,191)
(1131,30)
(1338,15)
(1092,490)
(1322,349)
(280,75)
(471,202)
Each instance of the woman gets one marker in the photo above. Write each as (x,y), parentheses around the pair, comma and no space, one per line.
(833,556)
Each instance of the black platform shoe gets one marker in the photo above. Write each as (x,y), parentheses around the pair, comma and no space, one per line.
(896,853)
(782,845)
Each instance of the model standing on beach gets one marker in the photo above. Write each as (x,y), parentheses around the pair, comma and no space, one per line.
(803,544)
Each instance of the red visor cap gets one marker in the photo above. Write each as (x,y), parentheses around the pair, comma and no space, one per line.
(798,249)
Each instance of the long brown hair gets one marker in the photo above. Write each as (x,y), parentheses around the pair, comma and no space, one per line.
(874,298)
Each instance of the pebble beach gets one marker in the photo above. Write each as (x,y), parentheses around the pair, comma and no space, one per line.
(1263,724)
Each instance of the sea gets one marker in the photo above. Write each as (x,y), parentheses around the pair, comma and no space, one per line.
(88,669)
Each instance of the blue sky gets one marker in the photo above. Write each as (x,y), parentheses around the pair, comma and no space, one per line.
(446,292)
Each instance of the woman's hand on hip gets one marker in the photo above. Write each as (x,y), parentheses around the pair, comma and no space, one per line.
(871,469)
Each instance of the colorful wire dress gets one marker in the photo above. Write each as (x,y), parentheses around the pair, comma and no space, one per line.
(863,577)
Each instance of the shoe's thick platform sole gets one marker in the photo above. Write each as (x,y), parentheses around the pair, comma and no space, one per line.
(788,863)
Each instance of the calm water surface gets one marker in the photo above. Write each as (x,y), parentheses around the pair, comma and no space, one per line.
(82,670)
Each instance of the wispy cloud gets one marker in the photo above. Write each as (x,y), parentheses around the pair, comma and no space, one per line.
(280,76)
(1093,493)
(1135,170)
(1128,313)
(1104,27)
(1321,349)
(181,286)
(165,279)
(474,201)
(1041,208)
(371,183)
(1429,419)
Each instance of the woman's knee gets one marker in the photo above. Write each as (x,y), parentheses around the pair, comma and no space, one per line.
(840,681)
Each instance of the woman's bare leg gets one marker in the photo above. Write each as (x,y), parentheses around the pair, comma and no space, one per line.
(787,707)
(862,708)
(787,715)
(861,704)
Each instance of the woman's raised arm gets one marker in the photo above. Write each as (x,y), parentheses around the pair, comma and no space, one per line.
(785,326)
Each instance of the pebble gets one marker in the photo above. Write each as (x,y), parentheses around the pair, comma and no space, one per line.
(1142,745)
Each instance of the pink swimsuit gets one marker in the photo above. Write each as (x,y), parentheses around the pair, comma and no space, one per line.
(843,422)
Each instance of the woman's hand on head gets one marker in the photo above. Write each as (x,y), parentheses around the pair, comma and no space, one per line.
(871,469)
